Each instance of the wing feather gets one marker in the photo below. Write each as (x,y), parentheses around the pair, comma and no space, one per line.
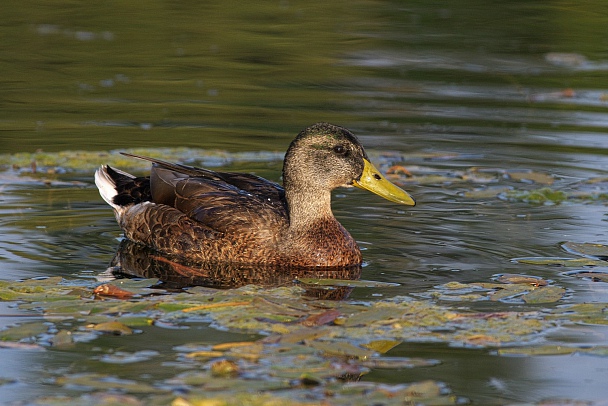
(227,202)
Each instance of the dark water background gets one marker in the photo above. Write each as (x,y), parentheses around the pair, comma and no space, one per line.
(512,85)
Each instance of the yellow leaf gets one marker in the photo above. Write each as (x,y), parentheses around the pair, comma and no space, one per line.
(227,346)
(382,346)
(215,306)
(204,354)
(113,327)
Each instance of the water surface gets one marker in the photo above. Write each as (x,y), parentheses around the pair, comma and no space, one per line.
(439,88)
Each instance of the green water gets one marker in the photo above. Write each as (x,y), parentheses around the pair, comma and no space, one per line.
(439,87)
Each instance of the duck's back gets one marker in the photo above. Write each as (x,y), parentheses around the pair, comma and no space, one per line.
(228,203)
(199,214)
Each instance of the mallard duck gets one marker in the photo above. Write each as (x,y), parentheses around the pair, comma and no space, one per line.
(207,216)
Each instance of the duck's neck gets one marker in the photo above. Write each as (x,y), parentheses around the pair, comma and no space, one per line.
(305,209)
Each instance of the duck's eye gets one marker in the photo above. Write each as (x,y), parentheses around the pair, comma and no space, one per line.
(340,150)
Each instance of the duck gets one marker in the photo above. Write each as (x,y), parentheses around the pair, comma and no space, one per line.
(206,216)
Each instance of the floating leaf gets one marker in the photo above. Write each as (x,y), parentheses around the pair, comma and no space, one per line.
(595,276)
(112,327)
(224,368)
(523,279)
(231,345)
(547,294)
(542,350)
(103,382)
(589,313)
(476,176)
(245,398)
(214,306)
(596,180)
(509,291)
(560,261)
(382,346)
(23,331)
(20,346)
(535,177)
(9,295)
(587,249)
(320,319)
(424,389)
(399,363)
(269,307)
(136,321)
(554,350)
(205,354)
(372,315)
(251,352)
(538,196)
(299,336)
(456,285)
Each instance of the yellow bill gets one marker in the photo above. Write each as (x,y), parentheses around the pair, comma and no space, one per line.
(371,179)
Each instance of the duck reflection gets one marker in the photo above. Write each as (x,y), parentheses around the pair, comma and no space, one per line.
(134,260)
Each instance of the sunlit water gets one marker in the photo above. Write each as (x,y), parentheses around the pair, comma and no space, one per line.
(442,88)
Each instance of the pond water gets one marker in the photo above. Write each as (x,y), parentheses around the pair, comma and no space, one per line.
(483,103)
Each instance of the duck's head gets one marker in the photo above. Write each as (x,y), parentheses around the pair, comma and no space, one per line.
(324,156)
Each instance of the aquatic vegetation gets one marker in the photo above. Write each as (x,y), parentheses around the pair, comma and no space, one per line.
(537,196)
(304,347)
(53,163)
(507,288)
(297,349)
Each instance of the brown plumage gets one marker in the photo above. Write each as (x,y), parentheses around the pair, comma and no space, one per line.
(209,216)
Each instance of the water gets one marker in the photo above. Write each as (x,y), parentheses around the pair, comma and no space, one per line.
(438,87)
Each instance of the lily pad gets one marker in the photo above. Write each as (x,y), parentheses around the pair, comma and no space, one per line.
(340,348)
(100,381)
(509,291)
(533,177)
(524,279)
(552,350)
(546,294)
(594,276)
(560,261)
(24,331)
(524,288)
(382,346)
(587,313)
(599,251)
(539,196)
(112,327)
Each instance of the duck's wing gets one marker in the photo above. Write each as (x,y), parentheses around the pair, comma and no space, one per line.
(223,201)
